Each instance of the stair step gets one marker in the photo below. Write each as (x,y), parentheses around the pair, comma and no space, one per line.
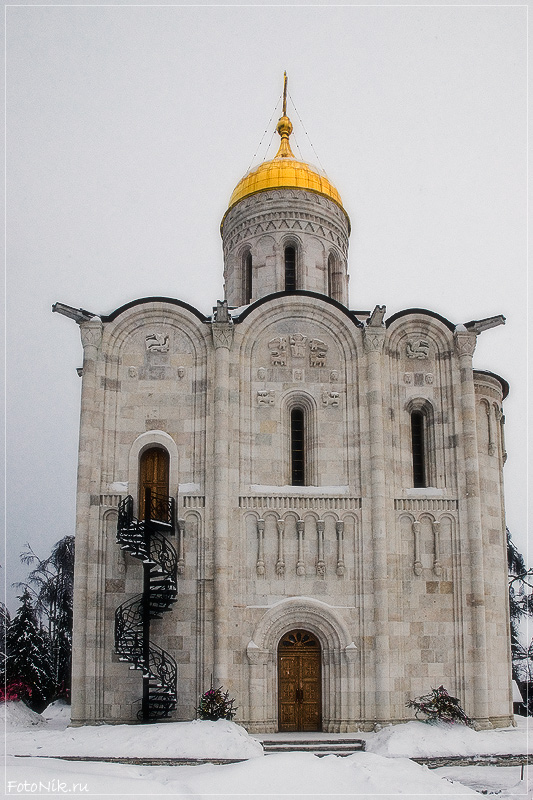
(318,746)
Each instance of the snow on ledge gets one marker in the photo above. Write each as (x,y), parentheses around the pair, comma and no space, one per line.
(310,491)
(188,488)
(118,486)
(424,492)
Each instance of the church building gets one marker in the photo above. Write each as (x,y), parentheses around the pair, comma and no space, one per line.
(299,502)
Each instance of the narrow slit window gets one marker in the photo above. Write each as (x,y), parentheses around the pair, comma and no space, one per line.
(290,269)
(418,448)
(297,447)
(247,269)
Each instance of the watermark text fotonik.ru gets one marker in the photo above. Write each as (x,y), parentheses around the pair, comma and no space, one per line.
(42,787)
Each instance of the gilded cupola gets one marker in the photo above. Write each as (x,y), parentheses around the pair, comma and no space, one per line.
(285,229)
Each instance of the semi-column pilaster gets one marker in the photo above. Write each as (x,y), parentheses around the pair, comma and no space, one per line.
(222,330)
(374,339)
(87,510)
(465,343)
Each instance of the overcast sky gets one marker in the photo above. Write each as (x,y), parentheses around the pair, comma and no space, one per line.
(128,128)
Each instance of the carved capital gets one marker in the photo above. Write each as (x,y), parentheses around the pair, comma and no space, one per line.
(351,652)
(256,655)
(374,339)
(222,334)
(465,342)
(91,336)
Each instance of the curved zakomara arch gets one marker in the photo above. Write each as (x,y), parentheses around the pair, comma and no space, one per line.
(315,616)
(144,442)
(435,328)
(294,308)
(118,332)
(130,321)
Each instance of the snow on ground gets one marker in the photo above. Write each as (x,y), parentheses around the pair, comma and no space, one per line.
(281,776)
(197,739)
(503,781)
(383,771)
(17,716)
(420,739)
(57,715)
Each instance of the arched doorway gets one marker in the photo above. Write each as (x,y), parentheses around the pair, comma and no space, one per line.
(154,475)
(299,682)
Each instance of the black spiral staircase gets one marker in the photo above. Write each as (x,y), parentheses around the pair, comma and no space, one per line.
(146,540)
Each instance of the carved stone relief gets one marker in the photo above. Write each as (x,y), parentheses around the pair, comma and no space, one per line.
(266,397)
(278,351)
(157,342)
(298,342)
(330,398)
(417,348)
(317,356)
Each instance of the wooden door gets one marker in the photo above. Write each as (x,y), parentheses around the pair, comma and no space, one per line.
(299,682)
(154,474)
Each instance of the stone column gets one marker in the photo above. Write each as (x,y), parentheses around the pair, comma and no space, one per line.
(465,343)
(87,510)
(222,330)
(374,338)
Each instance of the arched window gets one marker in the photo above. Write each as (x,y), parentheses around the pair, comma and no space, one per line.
(418,447)
(154,475)
(247,277)
(334,278)
(298,447)
(423,457)
(290,269)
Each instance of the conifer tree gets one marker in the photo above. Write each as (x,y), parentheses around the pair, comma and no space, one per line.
(520,606)
(28,655)
(51,582)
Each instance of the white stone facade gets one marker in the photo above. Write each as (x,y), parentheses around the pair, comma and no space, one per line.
(404,588)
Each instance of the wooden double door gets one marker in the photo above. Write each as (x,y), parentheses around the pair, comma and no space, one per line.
(153,474)
(299,682)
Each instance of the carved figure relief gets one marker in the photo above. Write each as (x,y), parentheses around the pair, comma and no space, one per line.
(278,351)
(298,342)
(266,397)
(429,379)
(408,377)
(333,376)
(157,342)
(297,374)
(330,398)
(317,356)
(132,372)
(418,348)
(181,372)
(261,374)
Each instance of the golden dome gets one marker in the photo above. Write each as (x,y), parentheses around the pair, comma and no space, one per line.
(284,171)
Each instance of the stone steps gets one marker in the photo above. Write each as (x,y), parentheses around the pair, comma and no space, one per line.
(319,747)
